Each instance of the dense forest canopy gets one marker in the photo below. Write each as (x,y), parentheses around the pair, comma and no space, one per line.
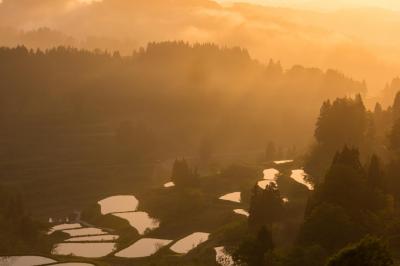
(175,90)
(102,110)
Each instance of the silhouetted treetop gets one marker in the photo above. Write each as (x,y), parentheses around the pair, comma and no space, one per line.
(182,174)
(369,251)
(375,175)
(178,89)
(266,206)
(396,107)
(341,122)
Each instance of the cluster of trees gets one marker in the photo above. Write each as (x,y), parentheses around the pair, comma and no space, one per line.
(252,250)
(355,165)
(350,203)
(19,232)
(100,109)
(266,207)
(342,122)
(346,121)
(183,175)
(165,87)
(369,251)
(347,204)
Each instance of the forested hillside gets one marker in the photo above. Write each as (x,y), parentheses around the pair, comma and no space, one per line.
(171,89)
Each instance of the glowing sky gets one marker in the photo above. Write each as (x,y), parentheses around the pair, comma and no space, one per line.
(325,4)
(313,4)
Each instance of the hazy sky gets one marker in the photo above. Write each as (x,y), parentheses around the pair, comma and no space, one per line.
(328,4)
(363,43)
(319,4)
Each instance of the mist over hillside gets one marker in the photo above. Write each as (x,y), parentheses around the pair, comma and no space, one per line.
(184,94)
(199,133)
(361,42)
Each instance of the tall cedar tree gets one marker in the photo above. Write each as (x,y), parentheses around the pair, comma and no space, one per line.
(343,122)
(266,206)
(252,250)
(182,175)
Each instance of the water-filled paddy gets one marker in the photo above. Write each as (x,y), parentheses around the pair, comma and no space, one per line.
(283,162)
(141,221)
(25,261)
(86,250)
(143,248)
(62,227)
(89,231)
(99,238)
(122,203)
(241,212)
(234,197)
(270,176)
(190,242)
(73,264)
(300,177)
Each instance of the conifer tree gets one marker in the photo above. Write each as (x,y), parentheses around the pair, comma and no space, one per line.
(394,137)
(396,107)
(375,173)
(182,175)
(369,251)
(266,206)
(252,250)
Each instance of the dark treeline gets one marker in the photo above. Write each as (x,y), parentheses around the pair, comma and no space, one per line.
(65,106)
(352,217)
(346,121)
(19,231)
(71,115)
(181,96)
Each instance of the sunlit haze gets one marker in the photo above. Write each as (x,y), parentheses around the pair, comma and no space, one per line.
(322,4)
(358,41)
(200,132)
